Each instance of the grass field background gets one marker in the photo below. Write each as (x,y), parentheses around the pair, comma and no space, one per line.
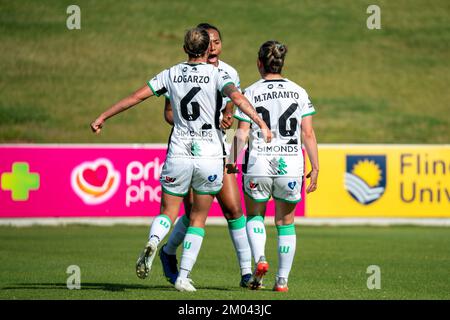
(369,86)
(330,263)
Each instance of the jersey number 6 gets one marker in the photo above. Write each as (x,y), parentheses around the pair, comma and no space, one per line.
(195,106)
(282,122)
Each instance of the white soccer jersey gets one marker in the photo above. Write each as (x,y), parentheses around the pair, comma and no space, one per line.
(237,82)
(223,66)
(195,92)
(282,104)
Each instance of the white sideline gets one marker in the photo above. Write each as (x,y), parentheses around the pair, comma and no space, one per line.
(220,221)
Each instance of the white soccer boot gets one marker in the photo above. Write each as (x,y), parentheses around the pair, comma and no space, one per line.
(145,260)
(184,284)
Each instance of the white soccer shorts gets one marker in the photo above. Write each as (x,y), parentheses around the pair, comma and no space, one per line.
(205,176)
(260,189)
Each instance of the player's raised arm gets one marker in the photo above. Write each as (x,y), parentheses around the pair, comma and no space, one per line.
(122,105)
(242,103)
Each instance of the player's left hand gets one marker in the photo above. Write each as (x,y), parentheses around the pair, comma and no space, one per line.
(227,121)
(313,175)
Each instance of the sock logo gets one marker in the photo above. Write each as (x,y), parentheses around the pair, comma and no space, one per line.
(187,245)
(164,223)
(95,182)
(258,230)
(284,249)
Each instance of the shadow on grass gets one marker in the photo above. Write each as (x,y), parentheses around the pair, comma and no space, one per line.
(112,287)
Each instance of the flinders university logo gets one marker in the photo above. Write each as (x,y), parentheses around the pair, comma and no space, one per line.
(365,177)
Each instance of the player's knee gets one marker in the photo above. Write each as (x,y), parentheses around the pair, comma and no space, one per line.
(232,212)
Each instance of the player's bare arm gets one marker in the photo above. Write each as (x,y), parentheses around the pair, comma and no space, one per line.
(122,105)
(168,111)
(242,103)
(227,119)
(310,143)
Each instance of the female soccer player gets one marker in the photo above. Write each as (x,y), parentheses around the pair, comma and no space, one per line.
(195,152)
(276,169)
(228,197)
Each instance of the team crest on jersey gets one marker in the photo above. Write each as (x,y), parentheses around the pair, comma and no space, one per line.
(270,86)
(212,178)
(365,177)
(195,149)
(277,167)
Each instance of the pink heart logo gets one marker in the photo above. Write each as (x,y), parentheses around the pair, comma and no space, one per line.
(96,177)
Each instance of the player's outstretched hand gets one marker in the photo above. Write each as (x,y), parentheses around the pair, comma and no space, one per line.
(227,121)
(313,175)
(97,125)
(231,168)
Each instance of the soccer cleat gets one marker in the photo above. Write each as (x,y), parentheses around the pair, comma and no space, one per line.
(245,280)
(261,269)
(169,263)
(184,284)
(280,285)
(145,260)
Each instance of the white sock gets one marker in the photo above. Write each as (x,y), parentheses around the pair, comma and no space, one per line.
(159,228)
(191,247)
(286,249)
(256,236)
(177,235)
(238,234)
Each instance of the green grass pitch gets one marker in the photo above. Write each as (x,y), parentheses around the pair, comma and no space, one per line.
(331,263)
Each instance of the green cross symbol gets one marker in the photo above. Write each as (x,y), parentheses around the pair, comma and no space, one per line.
(20,181)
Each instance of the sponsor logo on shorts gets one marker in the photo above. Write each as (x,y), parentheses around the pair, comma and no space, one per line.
(292,184)
(253,185)
(212,178)
(170,179)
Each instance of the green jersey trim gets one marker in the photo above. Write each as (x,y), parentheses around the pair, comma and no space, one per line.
(288,201)
(241,119)
(174,194)
(226,84)
(153,90)
(256,200)
(205,192)
(309,114)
